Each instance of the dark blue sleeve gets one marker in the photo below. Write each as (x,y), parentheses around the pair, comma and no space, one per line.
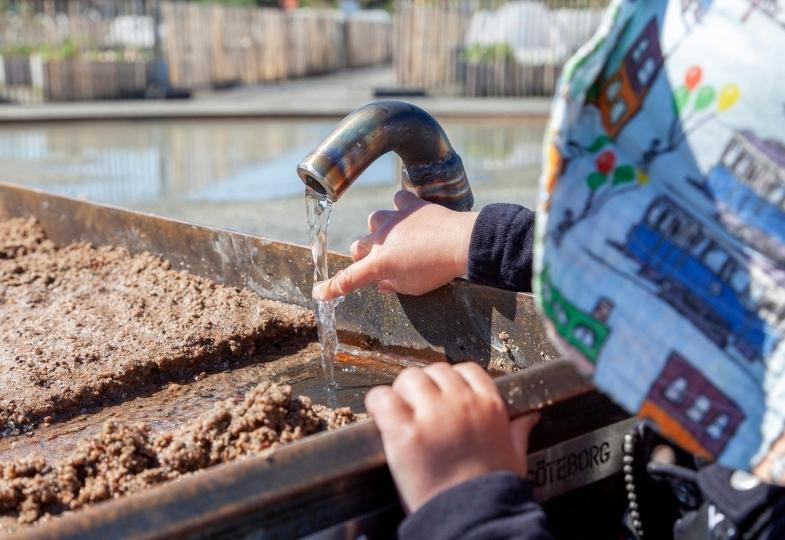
(496,506)
(500,252)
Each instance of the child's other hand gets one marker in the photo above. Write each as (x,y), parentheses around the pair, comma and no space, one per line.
(413,249)
(444,425)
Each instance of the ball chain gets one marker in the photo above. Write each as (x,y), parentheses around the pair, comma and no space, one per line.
(629,482)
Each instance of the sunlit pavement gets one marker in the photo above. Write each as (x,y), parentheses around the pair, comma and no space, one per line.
(329,96)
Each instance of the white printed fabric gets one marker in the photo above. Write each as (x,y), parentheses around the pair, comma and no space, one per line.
(660,260)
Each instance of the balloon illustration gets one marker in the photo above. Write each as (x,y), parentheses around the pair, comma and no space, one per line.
(623,175)
(729,95)
(680,97)
(605,162)
(596,180)
(693,77)
(704,98)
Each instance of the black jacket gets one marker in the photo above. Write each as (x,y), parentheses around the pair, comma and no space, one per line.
(501,506)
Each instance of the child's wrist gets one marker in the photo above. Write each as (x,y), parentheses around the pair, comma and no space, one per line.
(465,226)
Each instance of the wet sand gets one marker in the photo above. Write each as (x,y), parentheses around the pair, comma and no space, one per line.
(123,373)
(89,326)
(125,458)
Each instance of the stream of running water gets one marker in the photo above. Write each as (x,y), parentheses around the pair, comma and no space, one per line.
(318,210)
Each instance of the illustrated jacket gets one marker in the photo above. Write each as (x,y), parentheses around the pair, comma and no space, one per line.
(501,505)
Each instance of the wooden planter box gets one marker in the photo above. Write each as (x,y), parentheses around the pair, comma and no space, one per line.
(36,79)
(15,71)
(507,78)
(70,80)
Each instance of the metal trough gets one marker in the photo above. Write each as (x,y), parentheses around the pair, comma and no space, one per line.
(336,485)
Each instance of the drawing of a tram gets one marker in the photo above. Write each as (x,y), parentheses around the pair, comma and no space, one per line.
(748,183)
(621,94)
(698,274)
(697,414)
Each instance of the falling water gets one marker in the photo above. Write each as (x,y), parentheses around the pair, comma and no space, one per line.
(318,211)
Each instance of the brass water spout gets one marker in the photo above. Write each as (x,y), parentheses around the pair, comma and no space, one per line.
(431,168)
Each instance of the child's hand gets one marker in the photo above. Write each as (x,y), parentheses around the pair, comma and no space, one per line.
(414,249)
(444,425)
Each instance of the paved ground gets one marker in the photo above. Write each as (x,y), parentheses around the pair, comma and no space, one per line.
(331,96)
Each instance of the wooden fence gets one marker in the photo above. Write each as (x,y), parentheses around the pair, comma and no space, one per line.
(368,39)
(488,47)
(204,46)
(209,45)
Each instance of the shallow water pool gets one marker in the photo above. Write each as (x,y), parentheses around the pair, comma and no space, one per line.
(240,174)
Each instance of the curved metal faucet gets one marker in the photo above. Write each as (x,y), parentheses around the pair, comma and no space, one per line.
(431,168)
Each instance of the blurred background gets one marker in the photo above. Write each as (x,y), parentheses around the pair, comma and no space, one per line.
(201,110)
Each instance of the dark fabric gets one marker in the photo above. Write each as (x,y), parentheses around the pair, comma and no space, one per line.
(500,252)
(727,513)
(741,506)
(496,506)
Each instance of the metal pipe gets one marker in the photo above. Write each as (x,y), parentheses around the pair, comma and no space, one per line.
(431,168)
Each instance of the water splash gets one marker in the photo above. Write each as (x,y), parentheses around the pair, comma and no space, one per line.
(318,210)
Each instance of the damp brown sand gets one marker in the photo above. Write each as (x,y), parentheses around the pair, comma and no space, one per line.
(124,458)
(167,404)
(85,326)
(176,404)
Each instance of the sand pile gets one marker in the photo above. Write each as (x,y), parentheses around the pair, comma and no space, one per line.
(87,326)
(123,459)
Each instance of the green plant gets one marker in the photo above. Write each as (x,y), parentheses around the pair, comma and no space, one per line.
(478,53)
(319,3)
(17,50)
(65,50)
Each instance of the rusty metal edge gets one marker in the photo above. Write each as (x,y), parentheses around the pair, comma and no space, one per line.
(461,321)
(338,461)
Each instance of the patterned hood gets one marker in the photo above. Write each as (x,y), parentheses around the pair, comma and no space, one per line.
(660,260)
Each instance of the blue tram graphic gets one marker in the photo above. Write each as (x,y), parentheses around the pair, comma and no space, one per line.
(748,187)
(698,274)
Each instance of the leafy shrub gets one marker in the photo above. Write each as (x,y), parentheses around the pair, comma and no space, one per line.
(477,53)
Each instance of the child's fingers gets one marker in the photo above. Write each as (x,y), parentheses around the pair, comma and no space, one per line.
(350,278)
(416,387)
(404,200)
(478,379)
(520,428)
(378,218)
(449,381)
(387,408)
(361,247)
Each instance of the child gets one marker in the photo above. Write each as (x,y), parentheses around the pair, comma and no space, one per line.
(659,269)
